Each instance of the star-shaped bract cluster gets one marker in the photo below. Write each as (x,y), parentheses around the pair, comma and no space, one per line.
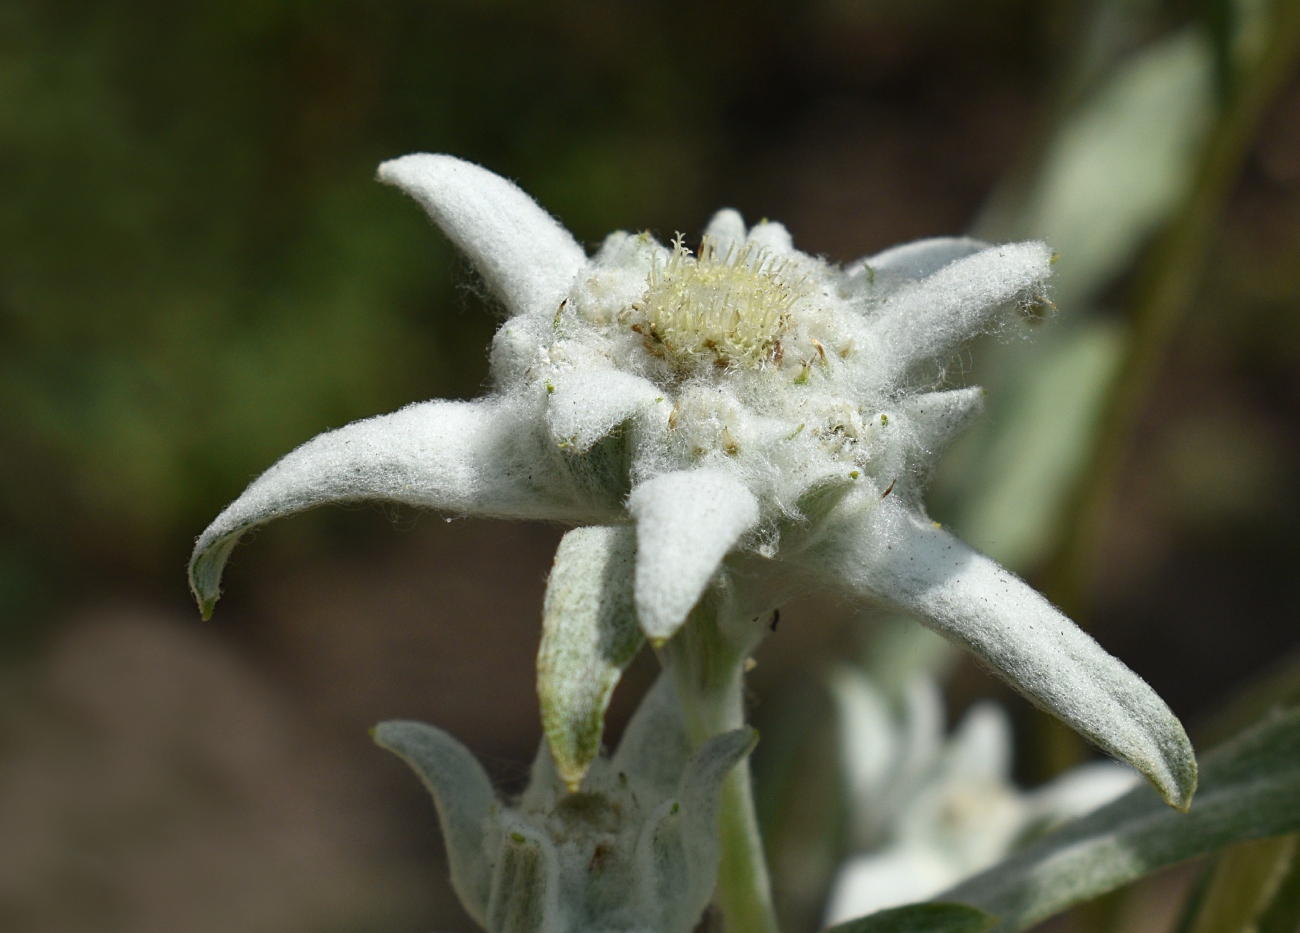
(749,405)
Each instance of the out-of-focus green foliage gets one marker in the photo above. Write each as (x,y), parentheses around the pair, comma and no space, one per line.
(921,918)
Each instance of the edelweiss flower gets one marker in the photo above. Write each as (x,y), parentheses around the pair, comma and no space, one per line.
(637,850)
(734,424)
(926,813)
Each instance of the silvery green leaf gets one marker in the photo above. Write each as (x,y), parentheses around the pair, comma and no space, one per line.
(1250,789)
(465,457)
(526,257)
(463,797)
(655,746)
(927,319)
(584,406)
(903,558)
(589,635)
(678,854)
(921,918)
(686,522)
(1283,914)
(525,884)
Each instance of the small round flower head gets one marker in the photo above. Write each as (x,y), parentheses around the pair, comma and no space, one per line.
(741,407)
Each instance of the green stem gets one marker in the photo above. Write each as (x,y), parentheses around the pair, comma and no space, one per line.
(708,672)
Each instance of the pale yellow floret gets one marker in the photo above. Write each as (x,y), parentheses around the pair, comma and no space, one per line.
(723,310)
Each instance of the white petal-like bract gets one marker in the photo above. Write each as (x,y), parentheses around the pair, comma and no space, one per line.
(461,457)
(685,524)
(526,257)
(905,559)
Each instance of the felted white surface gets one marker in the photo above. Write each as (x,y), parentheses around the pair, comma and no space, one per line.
(523,254)
(906,560)
(460,457)
(585,405)
(685,524)
(929,318)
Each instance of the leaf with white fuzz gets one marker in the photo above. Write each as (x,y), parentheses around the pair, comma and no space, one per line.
(686,522)
(526,257)
(938,417)
(925,320)
(654,744)
(463,797)
(585,405)
(678,857)
(901,557)
(589,636)
(525,884)
(463,457)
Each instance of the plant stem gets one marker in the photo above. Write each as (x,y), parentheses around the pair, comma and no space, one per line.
(708,673)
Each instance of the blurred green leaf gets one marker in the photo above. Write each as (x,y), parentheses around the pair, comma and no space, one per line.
(1119,165)
(921,918)
(1115,169)
(1283,915)
(1245,881)
(1039,441)
(1250,788)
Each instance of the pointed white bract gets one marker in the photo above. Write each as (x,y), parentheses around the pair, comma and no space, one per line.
(459,457)
(925,320)
(686,523)
(636,850)
(903,559)
(739,403)
(912,262)
(939,810)
(525,257)
(586,405)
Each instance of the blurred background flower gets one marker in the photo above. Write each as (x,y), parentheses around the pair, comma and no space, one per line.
(197,273)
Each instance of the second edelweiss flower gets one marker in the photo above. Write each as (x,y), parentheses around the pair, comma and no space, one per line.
(725,429)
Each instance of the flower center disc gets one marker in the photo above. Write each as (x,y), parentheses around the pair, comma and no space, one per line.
(724,310)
